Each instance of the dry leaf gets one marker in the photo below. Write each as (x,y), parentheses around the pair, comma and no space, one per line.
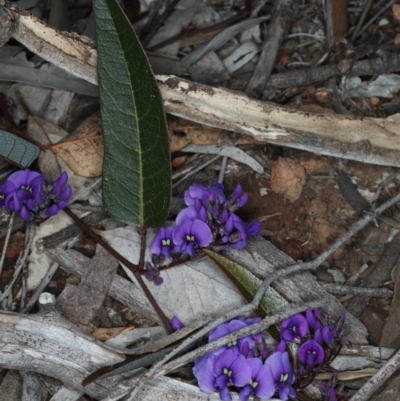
(46,134)
(84,148)
(105,333)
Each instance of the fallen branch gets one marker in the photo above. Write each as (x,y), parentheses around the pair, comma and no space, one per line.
(369,140)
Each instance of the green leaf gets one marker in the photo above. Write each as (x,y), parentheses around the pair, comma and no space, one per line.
(136,168)
(247,283)
(17,150)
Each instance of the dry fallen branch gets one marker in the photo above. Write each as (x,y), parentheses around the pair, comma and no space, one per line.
(371,140)
(50,345)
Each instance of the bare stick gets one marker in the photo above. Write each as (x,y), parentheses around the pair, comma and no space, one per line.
(383,374)
(161,368)
(29,235)
(363,291)
(7,239)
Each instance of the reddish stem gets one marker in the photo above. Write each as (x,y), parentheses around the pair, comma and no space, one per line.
(135,269)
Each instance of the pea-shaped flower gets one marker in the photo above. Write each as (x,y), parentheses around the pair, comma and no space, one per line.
(189,234)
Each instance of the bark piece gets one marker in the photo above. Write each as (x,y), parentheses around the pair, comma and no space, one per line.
(81,305)
(209,70)
(11,387)
(121,289)
(31,387)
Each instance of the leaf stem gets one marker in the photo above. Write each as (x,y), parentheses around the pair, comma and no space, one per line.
(134,268)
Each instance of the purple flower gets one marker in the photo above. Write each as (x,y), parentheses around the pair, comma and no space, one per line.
(152,272)
(204,372)
(253,228)
(197,191)
(311,353)
(188,234)
(237,199)
(234,233)
(5,189)
(282,374)
(230,368)
(215,372)
(331,389)
(313,317)
(243,345)
(261,382)
(28,193)
(162,243)
(56,195)
(195,211)
(24,193)
(281,347)
(176,324)
(294,328)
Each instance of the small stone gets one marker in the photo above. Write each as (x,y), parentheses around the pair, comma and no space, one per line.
(287,178)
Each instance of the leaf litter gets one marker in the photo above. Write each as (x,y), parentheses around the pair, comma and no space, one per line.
(309,224)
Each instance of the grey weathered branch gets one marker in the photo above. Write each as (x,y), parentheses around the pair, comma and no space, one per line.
(50,345)
(370,140)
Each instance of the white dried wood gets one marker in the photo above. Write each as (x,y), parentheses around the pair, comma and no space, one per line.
(66,394)
(369,140)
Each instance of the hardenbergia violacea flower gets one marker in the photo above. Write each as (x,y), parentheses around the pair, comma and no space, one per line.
(31,195)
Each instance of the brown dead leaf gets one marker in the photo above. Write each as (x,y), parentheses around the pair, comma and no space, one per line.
(105,333)
(287,178)
(184,132)
(46,133)
(83,150)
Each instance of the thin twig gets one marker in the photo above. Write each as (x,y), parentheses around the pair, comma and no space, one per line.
(7,239)
(161,368)
(43,284)
(29,235)
(223,168)
(376,381)
(360,224)
(348,289)
(362,19)
(264,286)
(204,165)
(375,17)
(155,23)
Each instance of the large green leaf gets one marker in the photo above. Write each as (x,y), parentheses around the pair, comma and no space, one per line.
(247,283)
(136,169)
(17,150)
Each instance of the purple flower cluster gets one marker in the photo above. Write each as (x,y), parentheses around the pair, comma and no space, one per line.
(31,195)
(243,364)
(314,334)
(208,219)
(247,365)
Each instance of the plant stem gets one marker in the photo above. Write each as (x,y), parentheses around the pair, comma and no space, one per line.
(134,268)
